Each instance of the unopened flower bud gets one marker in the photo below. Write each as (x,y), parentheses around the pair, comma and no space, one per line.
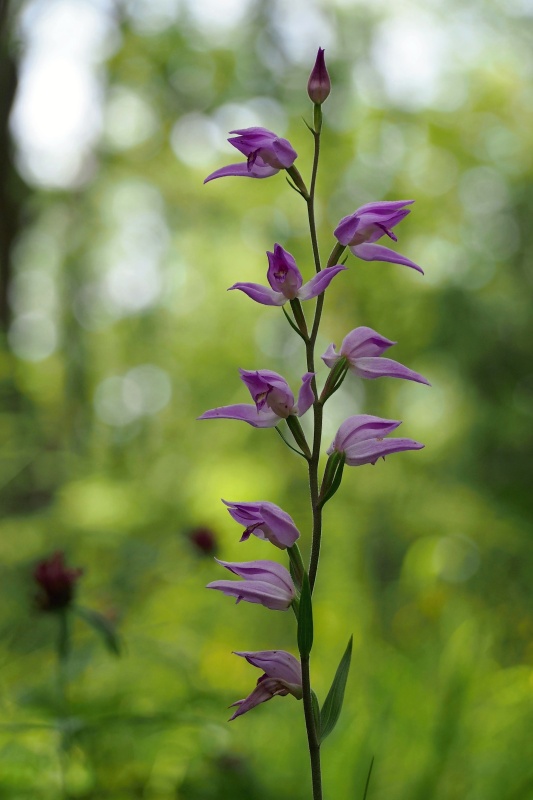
(319,84)
(56,581)
(204,540)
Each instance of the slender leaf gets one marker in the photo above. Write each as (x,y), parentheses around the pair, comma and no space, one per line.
(292,324)
(316,712)
(333,703)
(287,443)
(102,626)
(368,778)
(305,619)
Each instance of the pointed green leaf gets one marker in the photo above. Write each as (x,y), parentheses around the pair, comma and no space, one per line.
(103,627)
(305,619)
(333,703)
(316,712)
(335,483)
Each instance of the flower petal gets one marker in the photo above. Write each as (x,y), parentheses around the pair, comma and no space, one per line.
(266,594)
(274,663)
(245,413)
(364,341)
(386,368)
(260,694)
(261,570)
(319,283)
(330,357)
(376,252)
(306,396)
(281,524)
(258,170)
(261,294)
(360,427)
(284,152)
(370,450)
(347,228)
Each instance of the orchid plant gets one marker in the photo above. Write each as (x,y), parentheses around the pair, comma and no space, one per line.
(360,439)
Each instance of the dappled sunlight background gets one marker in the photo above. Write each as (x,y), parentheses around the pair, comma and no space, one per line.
(119,332)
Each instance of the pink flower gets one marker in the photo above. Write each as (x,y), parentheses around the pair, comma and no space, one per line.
(266,521)
(266,154)
(361,439)
(360,230)
(265,582)
(273,400)
(286,282)
(362,349)
(282,675)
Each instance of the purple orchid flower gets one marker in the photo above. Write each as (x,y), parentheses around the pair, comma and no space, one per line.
(286,282)
(266,154)
(266,521)
(360,439)
(282,675)
(273,400)
(265,582)
(362,349)
(360,230)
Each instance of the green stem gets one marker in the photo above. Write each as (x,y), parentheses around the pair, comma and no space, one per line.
(63,650)
(311,202)
(312,737)
(310,353)
(312,733)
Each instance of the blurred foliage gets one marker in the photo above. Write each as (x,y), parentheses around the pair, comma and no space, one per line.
(120,332)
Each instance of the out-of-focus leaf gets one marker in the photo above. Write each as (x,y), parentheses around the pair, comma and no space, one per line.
(103,627)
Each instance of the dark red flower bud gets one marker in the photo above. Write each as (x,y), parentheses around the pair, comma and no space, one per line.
(204,540)
(319,84)
(57,582)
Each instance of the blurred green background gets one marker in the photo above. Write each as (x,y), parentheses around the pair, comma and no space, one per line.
(118,333)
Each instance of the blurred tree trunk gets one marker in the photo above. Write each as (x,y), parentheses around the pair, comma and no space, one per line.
(12,189)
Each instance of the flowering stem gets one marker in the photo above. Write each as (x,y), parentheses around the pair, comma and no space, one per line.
(310,353)
(311,201)
(312,733)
